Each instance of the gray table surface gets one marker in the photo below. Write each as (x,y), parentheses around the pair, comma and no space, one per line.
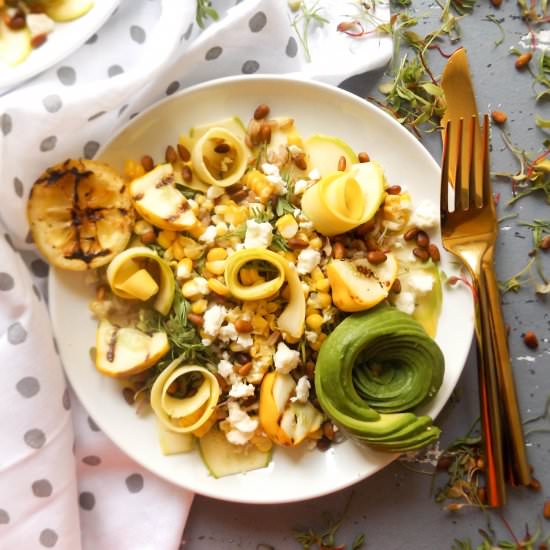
(394,507)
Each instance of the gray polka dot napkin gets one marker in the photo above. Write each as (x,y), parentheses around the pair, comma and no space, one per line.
(63,484)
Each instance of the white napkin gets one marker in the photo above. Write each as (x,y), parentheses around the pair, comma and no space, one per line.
(147,50)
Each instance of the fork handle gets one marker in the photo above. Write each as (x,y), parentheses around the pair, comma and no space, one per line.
(489,401)
(499,342)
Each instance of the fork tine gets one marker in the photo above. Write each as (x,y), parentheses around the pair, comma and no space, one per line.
(444,193)
(487,193)
(473,162)
(459,183)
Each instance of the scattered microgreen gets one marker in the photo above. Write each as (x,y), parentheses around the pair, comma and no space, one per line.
(308,16)
(517,281)
(492,19)
(326,538)
(205,11)
(283,207)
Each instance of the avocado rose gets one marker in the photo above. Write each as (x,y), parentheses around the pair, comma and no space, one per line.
(372,370)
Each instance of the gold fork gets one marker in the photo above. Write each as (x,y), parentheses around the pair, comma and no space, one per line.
(469,232)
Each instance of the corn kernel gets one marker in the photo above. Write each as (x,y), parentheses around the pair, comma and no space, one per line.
(316,243)
(218,287)
(133,169)
(194,252)
(221,229)
(295,139)
(197,230)
(250,276)
(216,267)
(317,274)
(208,204)
(285,293)
(314,321)
(184,268)
(287,226)
(142,227)
(168,254)
(272,307)
(177,251)
(200,198)
(324,300)
(220,209)
(190,289)
(310,310)
(259,324)
(199,307)
(258,182)
(217,253)
(166,238)
(322,285)
(290,256)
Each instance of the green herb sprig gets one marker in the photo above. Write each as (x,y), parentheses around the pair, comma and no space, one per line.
(308,16)
(205,11)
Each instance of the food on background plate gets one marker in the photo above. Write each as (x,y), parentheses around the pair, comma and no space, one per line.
(263,290)
(26,24)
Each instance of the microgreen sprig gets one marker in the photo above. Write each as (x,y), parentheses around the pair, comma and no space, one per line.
(205,11)
(308,16)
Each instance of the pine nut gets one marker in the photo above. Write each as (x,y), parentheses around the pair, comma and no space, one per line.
(434,253)
(147,162)
(363,157)
(184,153)
(261,111)
(376,257)
(170,155)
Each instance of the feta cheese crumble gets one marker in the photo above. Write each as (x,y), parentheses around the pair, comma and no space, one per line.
(421,283)
(308,260)
(405,302)
(241,389)
(425,215)
(285,359)
(243,427)
(258,235)
(302,390)
(314,175)
(225,369)
(214,192)
(213,319)
(209,234)
(300,186)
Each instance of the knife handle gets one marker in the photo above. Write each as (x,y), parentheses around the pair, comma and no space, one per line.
(499,342)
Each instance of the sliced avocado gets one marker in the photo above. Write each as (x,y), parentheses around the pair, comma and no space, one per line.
(325,152)
(224,459)
(383,334)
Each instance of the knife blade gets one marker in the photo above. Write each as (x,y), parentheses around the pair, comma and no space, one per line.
(457,86)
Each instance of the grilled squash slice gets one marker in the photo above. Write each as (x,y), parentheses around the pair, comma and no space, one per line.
(80,214)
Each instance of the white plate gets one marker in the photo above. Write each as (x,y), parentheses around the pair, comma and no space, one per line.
(64,40)
(293,474)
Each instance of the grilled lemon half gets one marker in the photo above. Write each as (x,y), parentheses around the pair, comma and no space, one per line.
(80,214)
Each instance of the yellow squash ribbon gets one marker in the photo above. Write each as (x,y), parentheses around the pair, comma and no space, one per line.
(291,320)
(187,414)
(342,201)
(128,278)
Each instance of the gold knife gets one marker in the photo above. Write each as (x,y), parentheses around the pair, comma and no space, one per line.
(461,103)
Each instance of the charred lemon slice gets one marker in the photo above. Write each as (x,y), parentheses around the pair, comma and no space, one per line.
(80,214)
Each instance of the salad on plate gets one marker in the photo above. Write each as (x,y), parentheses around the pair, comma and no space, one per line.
(256,288)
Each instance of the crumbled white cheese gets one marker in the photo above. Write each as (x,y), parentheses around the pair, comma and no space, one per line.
(421,283)
(39,23)
(201,285)
(306,224)
(405,302)
(308,260)
(225,369)
(270,169)
(300,186)
(241,389)
(297,213)
(245,341)
(425,215)
(314,175)
(279,183)
(213,319)
(302,390)
(294,150)
(228,332)
(183,271)
(236,437)
(209,234)
(258,235)
(285,359)
(214,192)
(243,427)
(311,336)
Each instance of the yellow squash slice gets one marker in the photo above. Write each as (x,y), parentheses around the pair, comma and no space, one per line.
(158,200)
(124,351)
(129,277)
(357,284)
(291,320)
(184,414)
(219,157)
(80,214)
(342,201)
